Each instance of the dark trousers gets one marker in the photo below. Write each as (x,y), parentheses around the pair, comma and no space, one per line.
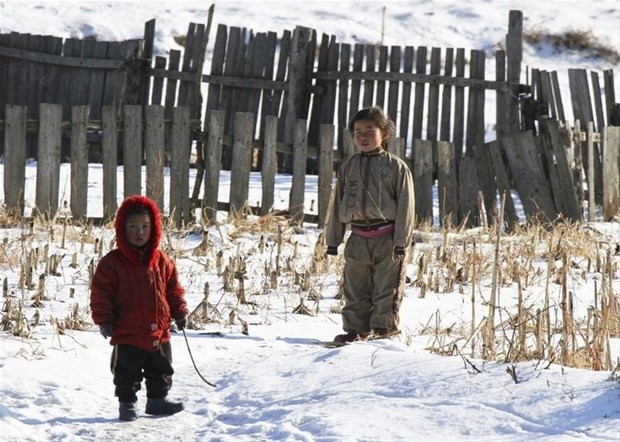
(130,364)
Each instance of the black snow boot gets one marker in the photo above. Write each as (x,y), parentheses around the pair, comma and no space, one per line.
(163,406)
(127,411)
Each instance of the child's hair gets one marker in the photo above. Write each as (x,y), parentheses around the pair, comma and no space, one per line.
(376,115)
(138,210)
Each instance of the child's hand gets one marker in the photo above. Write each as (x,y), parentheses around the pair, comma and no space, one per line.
(181,323)
(105,330)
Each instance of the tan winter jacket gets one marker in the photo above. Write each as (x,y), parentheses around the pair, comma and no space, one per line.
(371,188)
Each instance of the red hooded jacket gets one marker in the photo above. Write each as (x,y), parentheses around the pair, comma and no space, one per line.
(137,291)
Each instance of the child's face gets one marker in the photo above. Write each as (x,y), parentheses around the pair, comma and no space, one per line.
(138,229)
(367,136)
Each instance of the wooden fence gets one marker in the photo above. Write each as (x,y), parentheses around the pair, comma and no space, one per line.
(431,93)
(542,167)
(436,97)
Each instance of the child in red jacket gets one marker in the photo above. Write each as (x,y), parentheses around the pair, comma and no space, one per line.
(135,294)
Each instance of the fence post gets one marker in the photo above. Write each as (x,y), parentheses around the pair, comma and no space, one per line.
(514,57)
(109,146)
(300,157)
(213,162)
(326,169)
(132,150)
(269,165)
(48,154)
(15,158)
(423,178)
(179,169)
(154,136)
(298,79)
(611,173)
(241,162)
(79,161)
(446,182)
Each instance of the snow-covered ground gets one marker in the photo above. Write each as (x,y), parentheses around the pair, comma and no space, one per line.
(276,382)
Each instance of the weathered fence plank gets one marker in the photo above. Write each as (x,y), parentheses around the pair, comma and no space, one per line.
(557,159)
(324,104)
(432,117)
(423,179)
(557,93)
(269,65)
(79,161)
(343,95)
(394,86)
(486,179)
(514,57)
(241,163)
(582,110)
(598,102)
(298,185)
(406,95)
(180,207)
(217,67)
(369,85)
(279,97)
(418,102)
(109,148)
(48,164)
(302,56)
(356,85)
(15,158)
(213,161)
(396,145)
(269,164)
(502,181)
(154,146)
(611,174)
(447,185)
(611,106)
(459,108)
(318,103)
(157,92)
(446,98)
(469,215)
(97,85)
(112,79)
(502,98)
(326,170)
(528,173)
(172,84)
(132,150)
(382,67)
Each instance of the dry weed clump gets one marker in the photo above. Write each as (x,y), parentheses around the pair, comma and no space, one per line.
(573,40)
(558,258)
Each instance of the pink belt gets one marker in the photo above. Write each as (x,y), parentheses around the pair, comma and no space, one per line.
(374,233)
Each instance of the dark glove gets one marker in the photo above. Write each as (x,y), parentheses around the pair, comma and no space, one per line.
(400,250)
(332,250)
(105,330)
(181,323)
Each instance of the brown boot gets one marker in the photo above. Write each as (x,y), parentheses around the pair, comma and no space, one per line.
(351,336)
(382,333)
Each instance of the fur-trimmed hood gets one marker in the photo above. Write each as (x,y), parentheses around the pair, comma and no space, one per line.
(150,254)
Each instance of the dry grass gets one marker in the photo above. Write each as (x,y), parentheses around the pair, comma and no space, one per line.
(555,259)
(584,42)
